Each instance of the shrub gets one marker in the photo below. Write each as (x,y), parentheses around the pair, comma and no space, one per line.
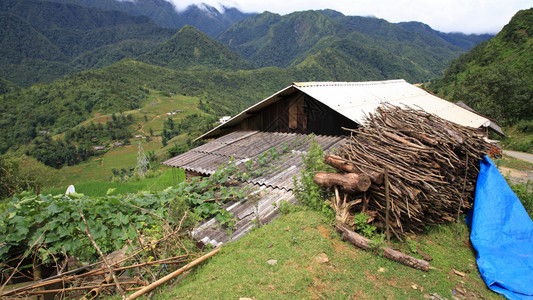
(305,190)
(524,192)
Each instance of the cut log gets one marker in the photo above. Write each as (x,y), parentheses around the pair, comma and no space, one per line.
(405,259)
(339,163)
(345,166)
(351,182)
(364,243)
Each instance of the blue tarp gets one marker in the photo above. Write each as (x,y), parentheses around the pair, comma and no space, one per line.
(502,234)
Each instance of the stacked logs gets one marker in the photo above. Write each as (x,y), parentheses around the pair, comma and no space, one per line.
(432,167)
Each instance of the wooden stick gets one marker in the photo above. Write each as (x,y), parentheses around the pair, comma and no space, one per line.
(101,254)
(387,231)
(172,275)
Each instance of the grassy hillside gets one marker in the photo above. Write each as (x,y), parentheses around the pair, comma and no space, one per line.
(496,77)
(313,263)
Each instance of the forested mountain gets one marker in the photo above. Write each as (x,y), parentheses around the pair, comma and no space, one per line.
(270,39)
(496,77)
(192,48)
(42,41)
(115,61)
(204,17)
(123,86)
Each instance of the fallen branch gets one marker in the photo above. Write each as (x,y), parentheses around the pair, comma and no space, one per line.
(364,243)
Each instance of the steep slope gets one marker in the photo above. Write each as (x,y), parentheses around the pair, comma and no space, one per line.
(192,48)
(204,17)
(21,41)
(41,39)
(124,86)
(269,39)
(346,60)
(496,77)
(461,40)
(272,40)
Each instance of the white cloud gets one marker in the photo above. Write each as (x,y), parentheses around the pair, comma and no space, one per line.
(469,16)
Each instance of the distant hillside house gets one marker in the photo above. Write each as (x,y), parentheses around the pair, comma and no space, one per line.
(224,119)
(284,121)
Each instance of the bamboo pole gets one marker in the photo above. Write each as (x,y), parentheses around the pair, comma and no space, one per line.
(172,275)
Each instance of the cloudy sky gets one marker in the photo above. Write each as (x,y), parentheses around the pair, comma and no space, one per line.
(468,16)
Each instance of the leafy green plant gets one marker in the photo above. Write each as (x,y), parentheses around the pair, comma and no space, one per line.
(54,223)
(305,190)
(285,207)
(362,226)
(524,192)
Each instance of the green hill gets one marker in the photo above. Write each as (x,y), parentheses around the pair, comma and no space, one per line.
(496,77)
(42,41)
(192,48)
(124,86)
(202,16)
(346,60)
(269,39)
(21,41)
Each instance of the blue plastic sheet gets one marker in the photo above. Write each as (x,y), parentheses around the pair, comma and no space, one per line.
(502,234)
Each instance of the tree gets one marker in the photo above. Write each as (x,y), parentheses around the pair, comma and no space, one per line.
(498,91)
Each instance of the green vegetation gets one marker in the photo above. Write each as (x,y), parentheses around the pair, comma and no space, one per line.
(51,39)
(345,47)
(305,190)
(298,241)
(51,225)
(519,137)
(211,22)
(495,78)
(524,192)
(157,180)
(22,173)
(192,48)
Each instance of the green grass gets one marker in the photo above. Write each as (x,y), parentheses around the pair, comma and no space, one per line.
(297,239)
(514,163)
(518,140)
(162,179)
(98,169)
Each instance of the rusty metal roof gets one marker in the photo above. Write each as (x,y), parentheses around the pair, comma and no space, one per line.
(355,100)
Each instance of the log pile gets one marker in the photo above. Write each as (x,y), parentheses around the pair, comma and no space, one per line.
(432,167)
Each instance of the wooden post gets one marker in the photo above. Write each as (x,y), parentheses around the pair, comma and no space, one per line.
(387,197)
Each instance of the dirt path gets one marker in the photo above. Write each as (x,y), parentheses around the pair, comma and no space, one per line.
(520,155)
(517,176)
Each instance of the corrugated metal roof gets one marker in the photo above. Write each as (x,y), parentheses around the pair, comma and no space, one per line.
(356,99)
(247,214)
(246,145)
(274,184)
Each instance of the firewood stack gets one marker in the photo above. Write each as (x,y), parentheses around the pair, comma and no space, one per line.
(432,167)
